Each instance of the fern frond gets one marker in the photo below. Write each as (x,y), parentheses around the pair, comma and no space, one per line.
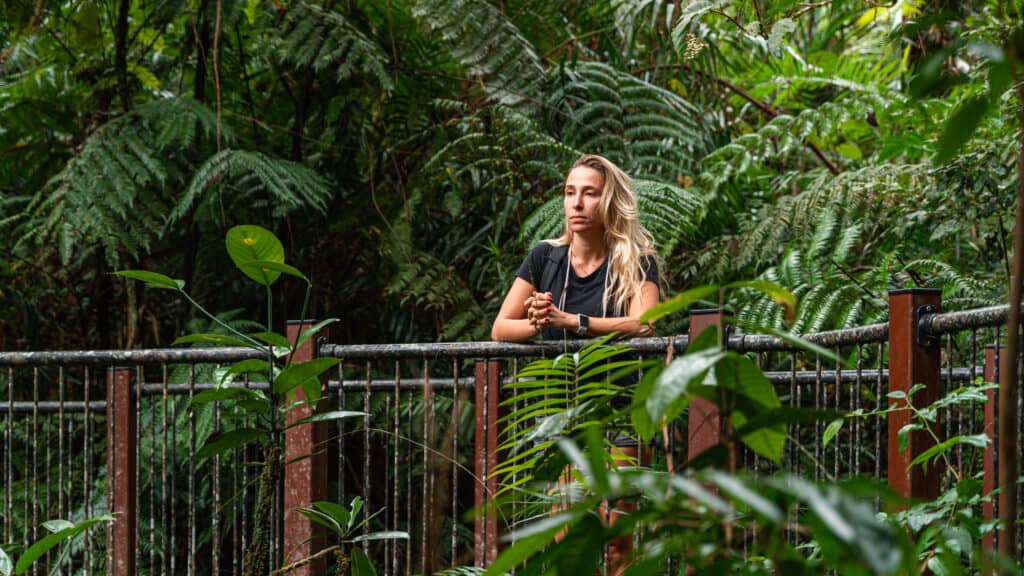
(323,39)
(288,185)
(488,45)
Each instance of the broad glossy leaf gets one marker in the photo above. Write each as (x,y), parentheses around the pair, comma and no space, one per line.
(272,338)
(298,373)
(754,396)
(337,512)
(361,565)
(44,545)
(743,493)
(322,519)
(250,366)
(263,268)
(250,243)
(221,394)
(221,443)
(831,431)
(153,279)
(670,393)
(311,331)
(961,127)
(678,302)
(528,541)
(327,417)
(383,535)
(214,339)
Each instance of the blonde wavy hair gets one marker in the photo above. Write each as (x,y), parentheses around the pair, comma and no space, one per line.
(625,237)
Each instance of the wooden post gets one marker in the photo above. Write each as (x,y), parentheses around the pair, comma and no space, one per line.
(488,392)
(305,476)
(704,429)
(122,472)
(912,360)
(990,472)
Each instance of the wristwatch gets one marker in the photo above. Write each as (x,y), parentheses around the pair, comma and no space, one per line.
(584,324)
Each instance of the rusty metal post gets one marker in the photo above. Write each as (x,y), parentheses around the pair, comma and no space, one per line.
(122,472)
(704,428)
(914,358)
(305,470)
(990,474)
(488,392)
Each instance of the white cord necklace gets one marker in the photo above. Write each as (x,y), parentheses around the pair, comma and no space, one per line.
(604,294)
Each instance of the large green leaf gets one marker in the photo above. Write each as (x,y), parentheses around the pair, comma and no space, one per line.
(961,127)
(221,443)
(754,396)
(361,565)
(153,279)
(249,243)
(215,339)
(297,373)
(671,393)
(44,545)
(678,302)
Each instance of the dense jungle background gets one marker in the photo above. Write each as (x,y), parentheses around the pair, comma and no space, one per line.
(410,152)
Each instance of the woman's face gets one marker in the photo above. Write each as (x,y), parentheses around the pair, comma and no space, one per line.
(582,198)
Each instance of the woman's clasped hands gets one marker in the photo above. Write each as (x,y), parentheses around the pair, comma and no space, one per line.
(541,311)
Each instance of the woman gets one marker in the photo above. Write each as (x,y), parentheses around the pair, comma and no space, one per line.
(598,277)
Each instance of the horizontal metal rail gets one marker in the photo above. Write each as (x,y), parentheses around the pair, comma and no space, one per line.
(952,322)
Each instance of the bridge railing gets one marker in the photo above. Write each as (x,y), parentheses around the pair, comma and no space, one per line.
(90,432)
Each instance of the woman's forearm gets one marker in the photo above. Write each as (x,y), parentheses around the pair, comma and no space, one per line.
(512,330)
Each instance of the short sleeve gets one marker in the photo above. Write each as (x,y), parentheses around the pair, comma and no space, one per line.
(649,264)
(533,265)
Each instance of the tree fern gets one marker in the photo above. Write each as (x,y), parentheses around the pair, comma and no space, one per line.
(288,186)
(642,127)
(489,45)
(324,39)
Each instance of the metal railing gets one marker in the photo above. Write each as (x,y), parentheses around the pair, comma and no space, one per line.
(89,432)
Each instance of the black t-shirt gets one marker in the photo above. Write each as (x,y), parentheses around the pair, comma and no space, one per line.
(585,295)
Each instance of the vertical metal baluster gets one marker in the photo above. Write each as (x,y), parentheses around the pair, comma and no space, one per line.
(428,473)
(112,432)
(87,488)
(139,381)
(173,550)
(973,372)
(997,363)
(47,511)
(408,489)
(32,476)
(60,450)
(366,453)
(388,480)
(455,458)
(838,387)
(879,405)
(9,443)
(152,479)
(794,400)
(243,499)
(818,394)
(515,407)
(236,499)
(216,543)
(192,534)
(856,404)
(164,550)
(397,479)
(949,410)
(341,434)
